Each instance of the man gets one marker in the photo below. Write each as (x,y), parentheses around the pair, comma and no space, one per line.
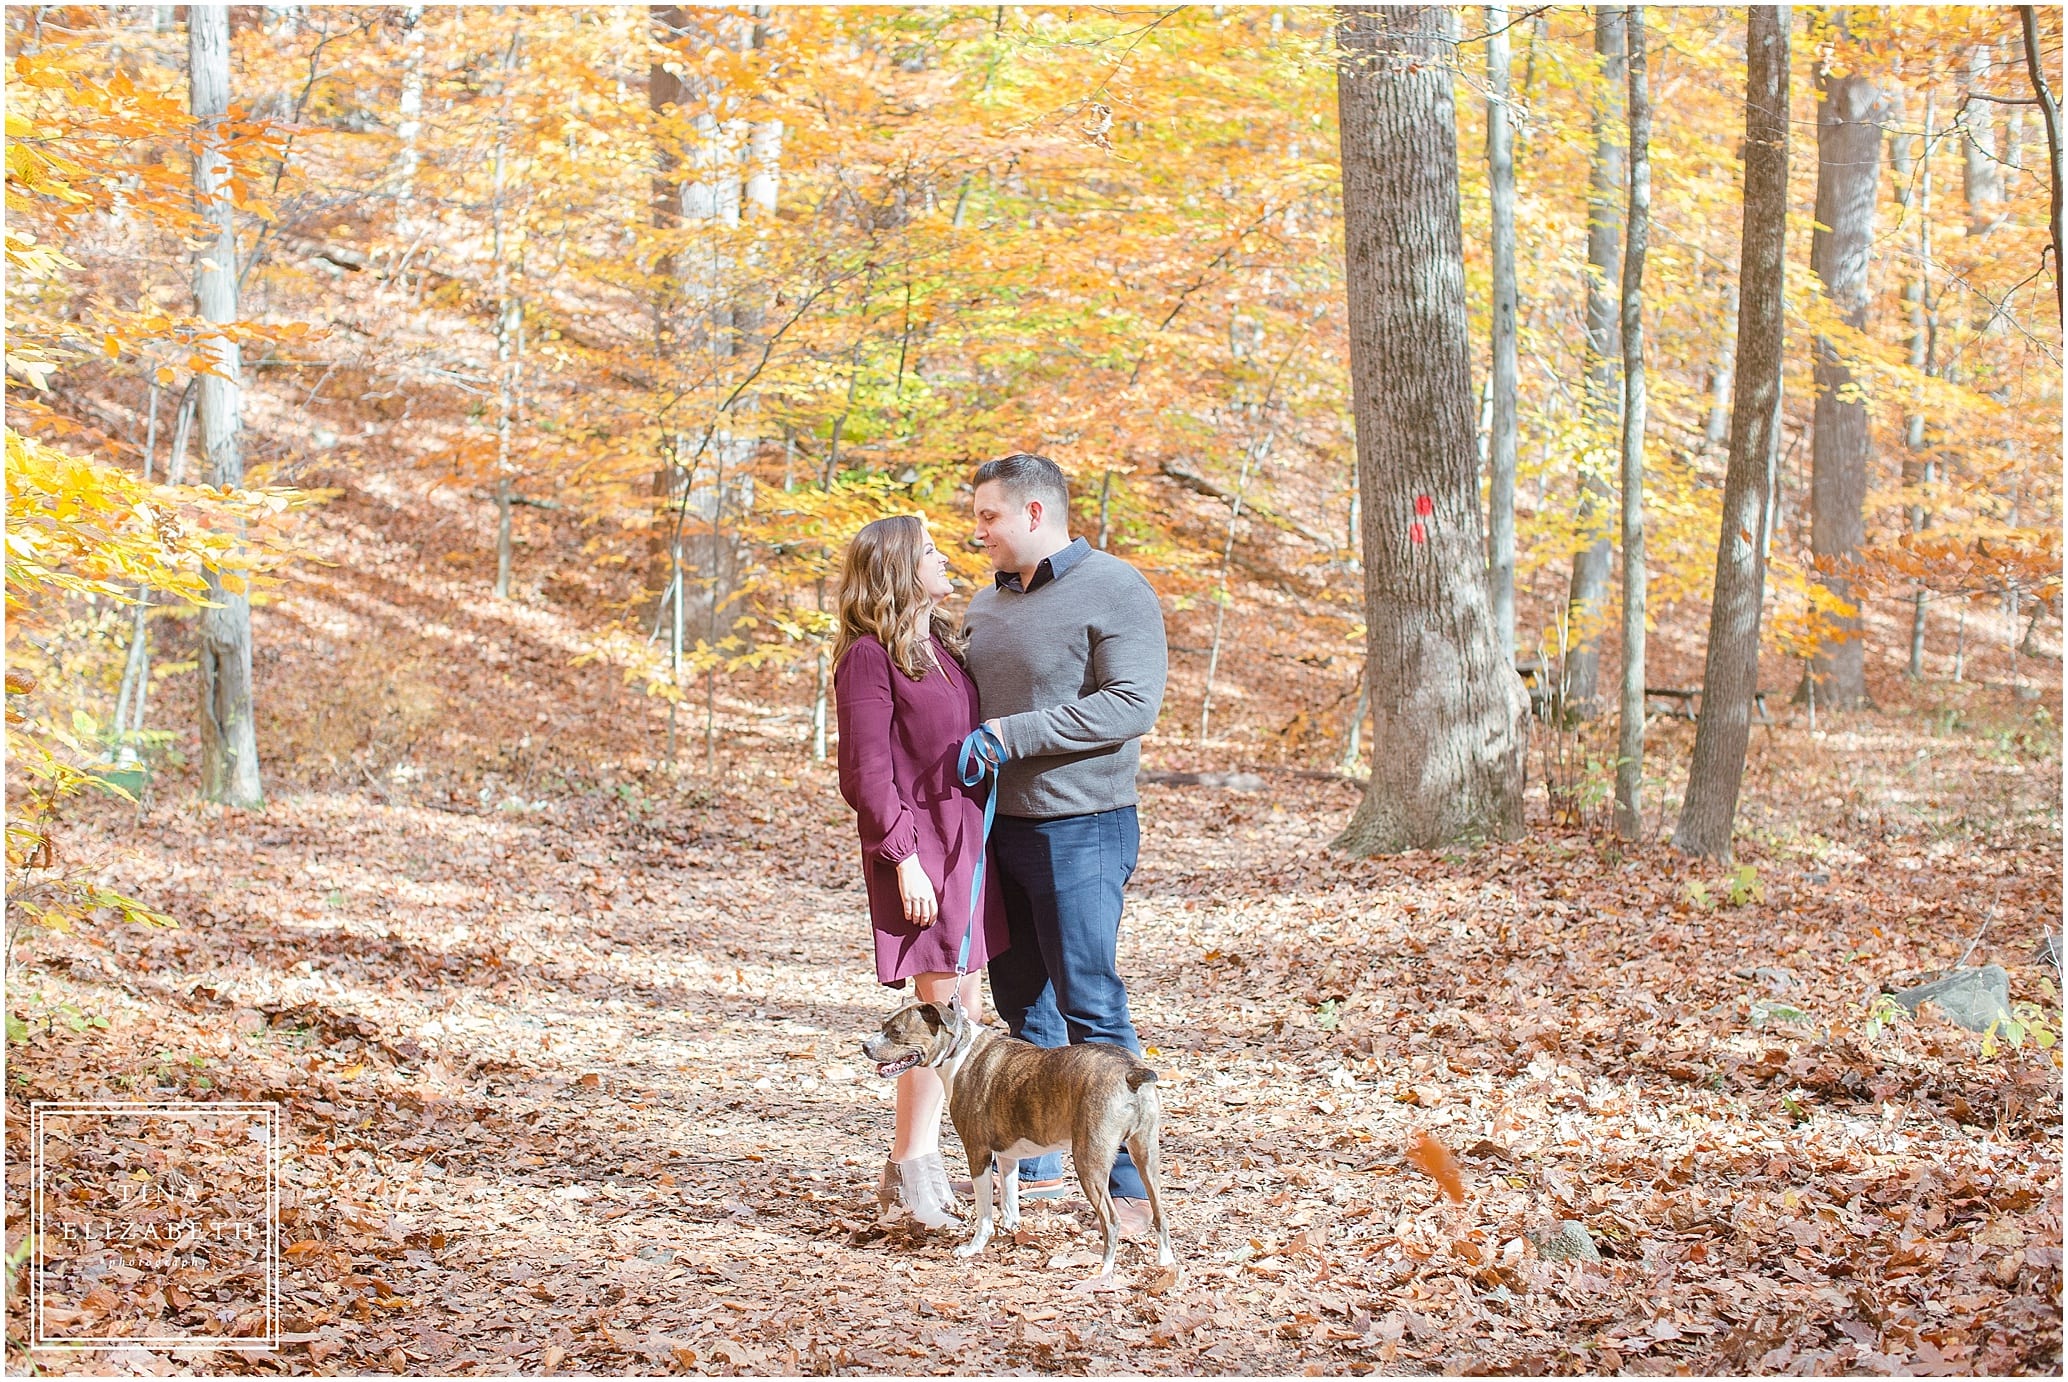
(1067,651)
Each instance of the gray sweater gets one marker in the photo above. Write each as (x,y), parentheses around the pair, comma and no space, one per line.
(1073,670)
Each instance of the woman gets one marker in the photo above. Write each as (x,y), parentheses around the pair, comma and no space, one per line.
(905,704)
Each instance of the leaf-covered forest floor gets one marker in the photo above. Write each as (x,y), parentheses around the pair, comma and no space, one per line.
(567,1047)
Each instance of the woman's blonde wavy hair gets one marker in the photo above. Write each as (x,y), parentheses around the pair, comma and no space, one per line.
(880,595)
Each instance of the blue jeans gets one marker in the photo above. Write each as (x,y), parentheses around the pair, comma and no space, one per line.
(1059,984)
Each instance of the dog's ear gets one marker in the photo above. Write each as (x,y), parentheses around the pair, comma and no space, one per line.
(932,1015)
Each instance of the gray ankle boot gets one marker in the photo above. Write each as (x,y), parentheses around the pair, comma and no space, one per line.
(921,1186)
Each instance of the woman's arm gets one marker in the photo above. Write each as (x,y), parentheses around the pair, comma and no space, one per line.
(865,705)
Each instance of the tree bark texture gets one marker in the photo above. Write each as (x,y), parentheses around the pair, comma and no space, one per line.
(1730,673)
(1589,589)
(229,739)
(1448,710)
(1841,445)
(1500,162)
(1630,730)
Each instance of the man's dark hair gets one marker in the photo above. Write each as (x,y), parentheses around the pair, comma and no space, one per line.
(1025,476)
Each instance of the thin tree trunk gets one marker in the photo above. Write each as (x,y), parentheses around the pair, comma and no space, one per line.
(2050,112)
(1848,175)
(1589,590)
(136,662)
(1500,161)
(818,690)
(1716,432)
(229,738)
(1448,710)
(711,630)
(1981,178)
(1251,455)
(1918,470)
(1630,731)
(666,95)
(1730,673)
(509,314)
(1353,742)
(410,110)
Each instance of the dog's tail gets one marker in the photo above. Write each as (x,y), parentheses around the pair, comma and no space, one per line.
(1140,1076)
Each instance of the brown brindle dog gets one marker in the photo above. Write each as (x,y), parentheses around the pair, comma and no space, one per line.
(1011,1099)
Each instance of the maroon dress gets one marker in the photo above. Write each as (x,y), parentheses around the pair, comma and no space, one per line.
(898,743)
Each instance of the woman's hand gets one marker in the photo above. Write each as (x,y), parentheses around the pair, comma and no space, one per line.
(921,907)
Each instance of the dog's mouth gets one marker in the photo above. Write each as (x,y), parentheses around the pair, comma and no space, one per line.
(890,1069)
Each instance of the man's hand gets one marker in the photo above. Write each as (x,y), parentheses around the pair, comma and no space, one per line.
(916,891)
(997,732)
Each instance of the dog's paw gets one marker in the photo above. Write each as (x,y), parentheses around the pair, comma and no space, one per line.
(969,1249)
(1010,1223)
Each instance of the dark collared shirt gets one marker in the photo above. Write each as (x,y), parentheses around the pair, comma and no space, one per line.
(1051,569)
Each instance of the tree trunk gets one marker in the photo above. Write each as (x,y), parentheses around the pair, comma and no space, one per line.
(1848,174)
(1500,161)
(1630,731)
(1917,465)
(1716,431)
(136,663)
(1591,564)
(666,93)
(1730,673)
(1448,710)
(508,324)
(1252,454)
(229,740)
(409,126)
(1981,179)
(2050,113)
(706,170)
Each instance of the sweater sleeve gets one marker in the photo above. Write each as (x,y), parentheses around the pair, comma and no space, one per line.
(1128,663)
(864,704)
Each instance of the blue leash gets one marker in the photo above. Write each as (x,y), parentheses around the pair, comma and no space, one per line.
(981,754)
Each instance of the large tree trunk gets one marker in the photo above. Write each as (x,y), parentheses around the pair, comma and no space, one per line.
(1848,173)
(1500,162)
(1448,710)
(1591,564)
(1630,730)
(229,739)
(1730,673)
